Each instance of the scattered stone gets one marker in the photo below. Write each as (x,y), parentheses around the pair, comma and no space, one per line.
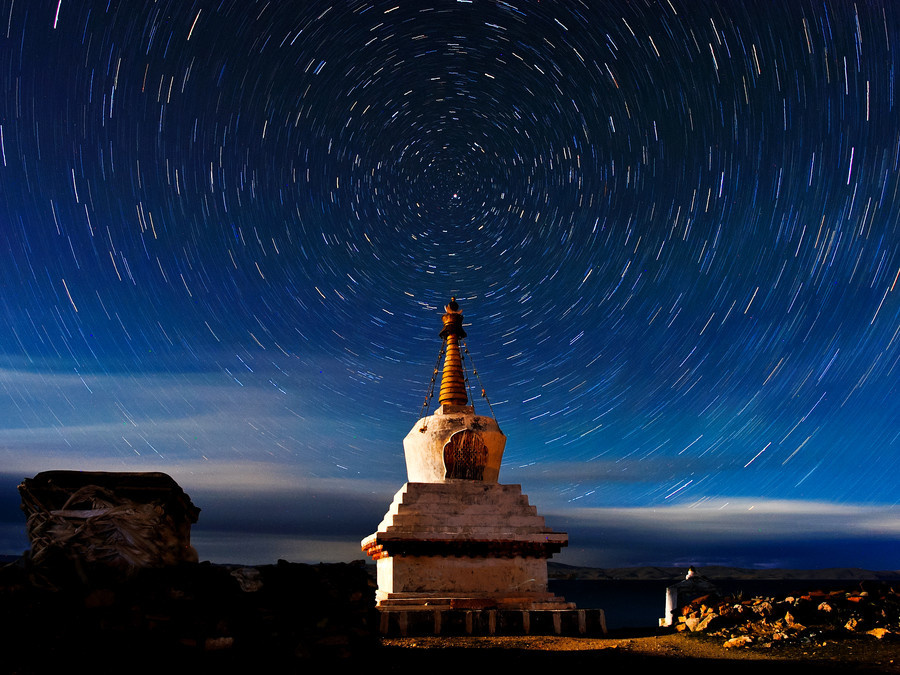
(212,644)
(793,623)
(796,618)
(691,623)
(248,578)
(878,632)
(705,622)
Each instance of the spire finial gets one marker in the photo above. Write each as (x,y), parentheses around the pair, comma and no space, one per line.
(453,383)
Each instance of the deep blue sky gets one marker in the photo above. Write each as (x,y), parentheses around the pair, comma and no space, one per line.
(227,231)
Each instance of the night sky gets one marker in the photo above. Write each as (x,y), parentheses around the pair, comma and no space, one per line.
(228,231)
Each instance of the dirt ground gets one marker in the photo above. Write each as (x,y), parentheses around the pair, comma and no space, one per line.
(671,652)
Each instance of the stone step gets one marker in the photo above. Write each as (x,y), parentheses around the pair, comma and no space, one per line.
(459,490)
(497,534)
(489,531)
(474,514)
(482,505)
(478,534)
(455,521)
(440,500)
(407,516)
(475,511)
(454,486)
(448,598)
(485,508)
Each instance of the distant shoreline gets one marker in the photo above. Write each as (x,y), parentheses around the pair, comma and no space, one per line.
(723,573)
(560,571)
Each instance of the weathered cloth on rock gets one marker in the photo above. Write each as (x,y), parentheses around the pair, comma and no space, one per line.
(118,520)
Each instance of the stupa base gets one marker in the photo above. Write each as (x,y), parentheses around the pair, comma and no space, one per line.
(464,541)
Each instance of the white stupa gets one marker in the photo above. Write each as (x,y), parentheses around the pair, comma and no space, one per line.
(454,537)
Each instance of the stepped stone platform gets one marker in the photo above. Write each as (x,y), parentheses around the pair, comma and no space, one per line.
(462,541)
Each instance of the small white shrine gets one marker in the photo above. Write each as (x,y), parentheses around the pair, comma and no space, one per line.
(455,538)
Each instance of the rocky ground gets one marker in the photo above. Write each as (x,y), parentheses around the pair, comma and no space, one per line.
(285,617)
(194,618)
(665,652)
(839,624)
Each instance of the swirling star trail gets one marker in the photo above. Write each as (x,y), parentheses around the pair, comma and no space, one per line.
(227,230)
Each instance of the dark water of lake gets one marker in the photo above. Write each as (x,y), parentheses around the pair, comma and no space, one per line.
(640,604)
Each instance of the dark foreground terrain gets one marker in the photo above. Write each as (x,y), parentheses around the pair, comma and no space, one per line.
(286,617)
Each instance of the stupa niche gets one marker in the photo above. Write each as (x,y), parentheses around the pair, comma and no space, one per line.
(454,537)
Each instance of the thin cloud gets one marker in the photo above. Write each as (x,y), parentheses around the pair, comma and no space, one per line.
(747,519)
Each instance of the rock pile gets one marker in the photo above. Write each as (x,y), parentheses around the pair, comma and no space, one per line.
(766,621)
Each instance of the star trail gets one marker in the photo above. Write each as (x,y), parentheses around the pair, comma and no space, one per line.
(228,229)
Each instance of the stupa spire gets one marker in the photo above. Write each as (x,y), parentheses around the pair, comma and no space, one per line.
(453,382)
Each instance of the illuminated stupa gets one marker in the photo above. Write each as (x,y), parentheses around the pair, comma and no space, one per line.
(455,538)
